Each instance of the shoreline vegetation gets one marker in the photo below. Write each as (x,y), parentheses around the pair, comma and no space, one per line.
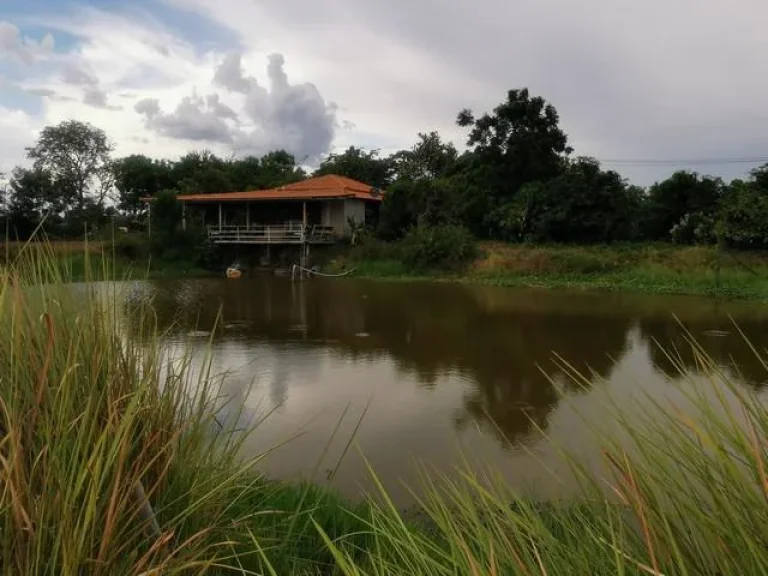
(543,215)
(112,461)
(636,268)
(632,268)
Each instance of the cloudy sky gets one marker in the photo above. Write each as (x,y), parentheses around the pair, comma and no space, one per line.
(679,81)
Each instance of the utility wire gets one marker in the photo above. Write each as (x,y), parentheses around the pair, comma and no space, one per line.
(684,161)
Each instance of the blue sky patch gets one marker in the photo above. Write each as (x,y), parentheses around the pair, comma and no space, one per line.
(200,32)
(14,98)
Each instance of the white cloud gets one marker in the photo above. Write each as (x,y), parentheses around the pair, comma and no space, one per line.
(630,80)
(132,77)
(18,131)
(637,80)
(27,50)
(114,58)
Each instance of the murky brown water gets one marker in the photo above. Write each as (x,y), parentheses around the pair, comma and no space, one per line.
(447,371)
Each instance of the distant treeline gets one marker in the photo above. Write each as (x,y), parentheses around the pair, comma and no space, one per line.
(517,181)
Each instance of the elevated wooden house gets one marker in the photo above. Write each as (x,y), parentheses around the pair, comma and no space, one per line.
(315,211)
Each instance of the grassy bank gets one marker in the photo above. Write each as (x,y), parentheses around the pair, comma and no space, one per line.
(79,259)
(652,269)
(112,461)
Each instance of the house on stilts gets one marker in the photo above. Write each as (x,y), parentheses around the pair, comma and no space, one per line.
(318,210)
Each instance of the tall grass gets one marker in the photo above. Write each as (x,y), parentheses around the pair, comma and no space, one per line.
(107,460)
(112,458)
(112,461)
(684,492)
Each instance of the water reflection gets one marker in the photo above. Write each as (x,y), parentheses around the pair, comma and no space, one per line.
(478,354)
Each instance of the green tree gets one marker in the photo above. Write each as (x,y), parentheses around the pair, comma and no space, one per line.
(32,197)
(430,157)
(77,155)
(423,202)
(166,215)
(743,217)
(520,140)
(364,166)
(584,204)
(136,177)
(683,208)
(199,172)
(279,168)
(245,173)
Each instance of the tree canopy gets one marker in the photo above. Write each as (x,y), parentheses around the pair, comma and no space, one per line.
(77,155)
(515,180)
(358,164)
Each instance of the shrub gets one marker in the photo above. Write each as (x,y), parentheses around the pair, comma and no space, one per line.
(133,247)
(446,246)
(743,220)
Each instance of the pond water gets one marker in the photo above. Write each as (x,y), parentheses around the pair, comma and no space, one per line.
(445,373)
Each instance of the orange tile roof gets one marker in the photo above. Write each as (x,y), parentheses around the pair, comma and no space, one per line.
(319,188)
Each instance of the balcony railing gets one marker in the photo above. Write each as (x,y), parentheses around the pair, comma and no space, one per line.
(287,233)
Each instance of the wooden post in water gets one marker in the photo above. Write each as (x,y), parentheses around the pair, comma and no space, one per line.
(304,239)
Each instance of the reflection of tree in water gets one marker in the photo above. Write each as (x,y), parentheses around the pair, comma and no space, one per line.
(486,336)
(716,335)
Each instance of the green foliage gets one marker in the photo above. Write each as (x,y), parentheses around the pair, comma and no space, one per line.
(516,182)
(582,205)
(170,243)
(33,196)
(138,177)
(132,247)
(363,166)
(679,207)
(416,202)
(78,155)
(429,158)
(521,138)
(444,246)
(743,219)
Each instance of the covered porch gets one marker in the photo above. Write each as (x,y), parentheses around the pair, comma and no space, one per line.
(319,210)
(264,222)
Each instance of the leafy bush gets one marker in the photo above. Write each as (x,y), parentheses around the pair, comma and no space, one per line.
(133,247)
(743,222)
(374,249)
(447,246)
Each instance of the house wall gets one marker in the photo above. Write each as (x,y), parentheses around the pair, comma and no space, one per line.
(333,215)
(354,209)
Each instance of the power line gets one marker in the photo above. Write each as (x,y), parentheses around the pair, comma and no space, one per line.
(684,161)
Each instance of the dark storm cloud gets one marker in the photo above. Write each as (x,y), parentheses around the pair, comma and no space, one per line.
(78,76)
(631,80)
(97,98)
(292,117)
(193,119)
